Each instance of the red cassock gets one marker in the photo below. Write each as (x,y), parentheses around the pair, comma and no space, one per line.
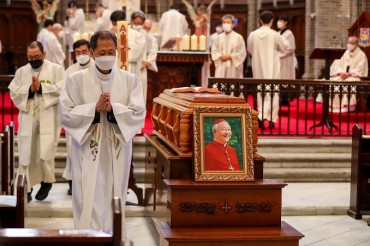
(220,158)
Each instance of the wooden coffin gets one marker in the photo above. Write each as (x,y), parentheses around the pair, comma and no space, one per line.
(172,117)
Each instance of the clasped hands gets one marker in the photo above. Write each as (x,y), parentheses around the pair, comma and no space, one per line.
(225,58)
(103,103)
(35,86)
(344,75)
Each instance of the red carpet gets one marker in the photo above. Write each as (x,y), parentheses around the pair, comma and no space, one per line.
(295,122)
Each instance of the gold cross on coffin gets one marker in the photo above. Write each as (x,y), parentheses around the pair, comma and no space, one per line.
(226,207)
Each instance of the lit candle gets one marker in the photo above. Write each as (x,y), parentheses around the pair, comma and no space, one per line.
(85,36)
(178,39)
(76,36)
(186,42)
(194,42)
(202,42)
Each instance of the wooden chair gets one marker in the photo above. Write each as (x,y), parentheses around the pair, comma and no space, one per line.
(43,237)
(12,207)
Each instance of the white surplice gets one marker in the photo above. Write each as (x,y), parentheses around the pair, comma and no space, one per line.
(101,153)
(287,57)
(42,36)
(229,44)
(53,50)
(264,45)
(357,64)
(137,48)
(39,123)
(67,174)
(171,24)
(77,21)
(103,23)
(149,55)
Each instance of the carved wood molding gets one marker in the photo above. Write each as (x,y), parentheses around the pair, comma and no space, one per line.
(182,56)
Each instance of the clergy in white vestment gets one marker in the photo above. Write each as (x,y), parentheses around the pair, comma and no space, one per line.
(102,108)
(136,43)
(45,31)
(287,57)
(76,17)
(35,90)
(81,49)
(172,23)
(149,57)
(351,66)
(53,49)
(214,36)
(103,18)
(229,52)
(264,45)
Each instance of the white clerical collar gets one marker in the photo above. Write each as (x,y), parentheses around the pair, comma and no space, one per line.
(102,76)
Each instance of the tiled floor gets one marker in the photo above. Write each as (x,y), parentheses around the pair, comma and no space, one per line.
(318,210)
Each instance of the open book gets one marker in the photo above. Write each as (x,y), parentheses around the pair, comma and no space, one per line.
(194,90)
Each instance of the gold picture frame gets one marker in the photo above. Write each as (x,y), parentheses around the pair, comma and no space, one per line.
(223,143)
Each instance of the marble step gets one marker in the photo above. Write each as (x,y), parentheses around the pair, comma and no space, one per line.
(308,174)
(303,145)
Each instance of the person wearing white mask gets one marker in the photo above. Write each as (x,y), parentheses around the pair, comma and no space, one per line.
(214,36)
(81,49)
(351,66)
(102,18)
(53,49)
(102,108)
(228,52)
(150,53)
(264,45)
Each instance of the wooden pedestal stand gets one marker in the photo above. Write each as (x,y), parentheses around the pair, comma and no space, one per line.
(208,213)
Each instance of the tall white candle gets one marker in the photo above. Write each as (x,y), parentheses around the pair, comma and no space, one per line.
(194,42)
(186,42)
(85,36)
(76,36)
(202,42)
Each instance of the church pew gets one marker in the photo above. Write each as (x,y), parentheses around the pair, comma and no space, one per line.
(7,159)
(12,207)
(360,174)
(55,237)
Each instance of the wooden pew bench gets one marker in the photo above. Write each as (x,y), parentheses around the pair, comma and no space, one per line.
(12,207)
(55,237)
(360,174)
(7,159)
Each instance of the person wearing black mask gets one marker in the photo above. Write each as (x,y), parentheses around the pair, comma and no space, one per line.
(35,91)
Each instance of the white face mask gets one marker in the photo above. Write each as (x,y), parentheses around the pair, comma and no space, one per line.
(105,62)
(60,34)
(226,27)
(83,59)
(280,24)
(219,29)
(351,47)
(137,27)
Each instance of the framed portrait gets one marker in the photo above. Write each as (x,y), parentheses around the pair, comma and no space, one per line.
(223,143)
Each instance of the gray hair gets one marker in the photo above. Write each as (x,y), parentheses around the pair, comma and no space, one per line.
(228,16)
(102,35)
(138,13)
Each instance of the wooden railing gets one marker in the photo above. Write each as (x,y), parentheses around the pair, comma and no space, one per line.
(301,115)
(8,110)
